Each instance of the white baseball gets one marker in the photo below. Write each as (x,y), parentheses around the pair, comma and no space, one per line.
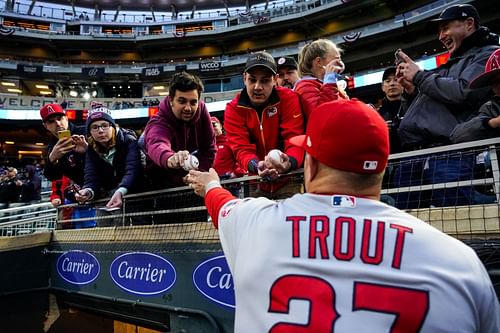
(275,155)
(191,163)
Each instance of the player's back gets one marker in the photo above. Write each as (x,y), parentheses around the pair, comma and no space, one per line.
(343,264)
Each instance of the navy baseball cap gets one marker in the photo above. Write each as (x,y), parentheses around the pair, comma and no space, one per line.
(388,71)
(458,12)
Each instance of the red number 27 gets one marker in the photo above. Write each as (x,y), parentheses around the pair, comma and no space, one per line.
(409,306)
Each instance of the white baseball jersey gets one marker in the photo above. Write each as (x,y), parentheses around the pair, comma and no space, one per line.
(336,263)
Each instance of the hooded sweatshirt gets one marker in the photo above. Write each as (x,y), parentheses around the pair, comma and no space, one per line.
(165,135)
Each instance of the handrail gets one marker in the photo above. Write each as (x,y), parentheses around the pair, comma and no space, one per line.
(49,213)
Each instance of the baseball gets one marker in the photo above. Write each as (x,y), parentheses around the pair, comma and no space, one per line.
(275,155)
(191,163)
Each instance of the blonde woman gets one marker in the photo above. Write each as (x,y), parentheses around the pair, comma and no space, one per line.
(320,65)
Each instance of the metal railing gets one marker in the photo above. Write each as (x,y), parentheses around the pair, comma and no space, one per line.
(175,204)
(27,219)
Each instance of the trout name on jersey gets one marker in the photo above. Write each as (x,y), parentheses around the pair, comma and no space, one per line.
(337,239)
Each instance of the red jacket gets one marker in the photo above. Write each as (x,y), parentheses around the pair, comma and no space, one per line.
(252,138)
(225,162)
(312,93)
(58,187)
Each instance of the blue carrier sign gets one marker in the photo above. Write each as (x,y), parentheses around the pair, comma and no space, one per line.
(142,273)
(213,279)
(78,267)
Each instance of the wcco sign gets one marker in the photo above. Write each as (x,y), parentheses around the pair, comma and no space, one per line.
(209,66)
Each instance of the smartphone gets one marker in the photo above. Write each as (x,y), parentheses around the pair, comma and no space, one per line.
(63,134)
(397,57)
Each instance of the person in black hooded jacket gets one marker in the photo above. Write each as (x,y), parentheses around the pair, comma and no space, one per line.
(32,186)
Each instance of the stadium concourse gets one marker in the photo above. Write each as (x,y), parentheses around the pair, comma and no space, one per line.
(143,267)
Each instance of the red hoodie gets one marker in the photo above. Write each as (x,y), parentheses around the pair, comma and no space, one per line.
(252,137)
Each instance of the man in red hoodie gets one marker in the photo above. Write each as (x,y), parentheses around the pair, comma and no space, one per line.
(181,127)
(263,117)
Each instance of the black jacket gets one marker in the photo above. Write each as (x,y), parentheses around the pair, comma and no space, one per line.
(9,191)
(390,111)
(477,128)
(126,171)
(32,186)
(71,165)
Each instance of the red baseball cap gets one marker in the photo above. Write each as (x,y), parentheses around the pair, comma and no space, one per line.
(51,109)
(215,119)
(347,135)
(491,69)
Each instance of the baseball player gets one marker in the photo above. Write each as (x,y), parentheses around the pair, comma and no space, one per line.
(336,259)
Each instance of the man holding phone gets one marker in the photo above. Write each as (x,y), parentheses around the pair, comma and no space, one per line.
(66,150)
(441,101)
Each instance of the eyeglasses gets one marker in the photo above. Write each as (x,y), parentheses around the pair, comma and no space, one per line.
(95,128)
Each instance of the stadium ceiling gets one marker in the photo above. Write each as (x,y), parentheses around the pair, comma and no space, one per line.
(158,5)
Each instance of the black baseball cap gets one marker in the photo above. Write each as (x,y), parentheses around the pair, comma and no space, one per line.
(458,12)
(261,59)
(286,62)
(388,71)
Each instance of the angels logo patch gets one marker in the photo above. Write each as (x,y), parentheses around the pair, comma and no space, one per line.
(272,111)
(343,201)
(227,208)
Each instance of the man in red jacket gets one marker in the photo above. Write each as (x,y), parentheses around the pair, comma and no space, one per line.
(263,117)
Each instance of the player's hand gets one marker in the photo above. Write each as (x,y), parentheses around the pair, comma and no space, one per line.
(80,144)
(116,200)
(198,180)
(56,202)
(61,148)
(83,195)
(407,69)
(176,161)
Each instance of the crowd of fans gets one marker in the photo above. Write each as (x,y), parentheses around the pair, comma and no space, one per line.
(422,108)
(23,186)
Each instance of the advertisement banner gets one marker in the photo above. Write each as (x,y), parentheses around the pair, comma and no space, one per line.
(93,72)
(209,66)
(152,71)
(29,69)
